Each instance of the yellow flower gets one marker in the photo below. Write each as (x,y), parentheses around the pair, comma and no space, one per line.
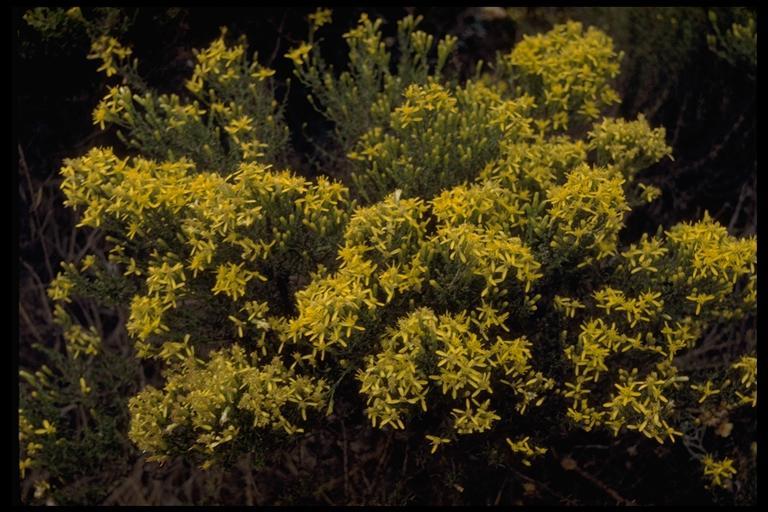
(84,387)
(74,12)
(524,448)
(110,51)
(88,262)
(60,288)
(24,465)
(41,488)
(241,124)
(719,472)
(706,390)
(46,429)
(320,17)
(700,299)
(262,73)
(100,115)
(299,55)
(436,442)
(231,280)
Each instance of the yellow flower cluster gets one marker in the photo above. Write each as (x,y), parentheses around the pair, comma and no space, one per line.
(390,248)
(112,54)
(419,102)
(568,72)
(231,280)
(645,255)
(299,54)
(240,95)
(108,188)
(80,340)
(587,212)
(320,17)
(718,472)
(644,307)
(629,145)
(680,284)
(380,254)
(719,269)
(28,445)
(567,306)
(485,204)
(390,231)
(330,307)
(218,64)
(525,450)
(426,348)
(490,255)
(60,288)
(176,227)
(637,404)
(535,165)
(747,365)
(641,404)
(713,253)
(214,402)
(393,379)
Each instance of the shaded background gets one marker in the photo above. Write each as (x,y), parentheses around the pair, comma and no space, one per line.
(669,73)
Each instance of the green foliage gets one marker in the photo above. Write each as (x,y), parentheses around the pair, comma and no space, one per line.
(54,23)
(72,431)
(492,221)
(232,118)
(64,31)
(362,97)
(435,140)
(738,45)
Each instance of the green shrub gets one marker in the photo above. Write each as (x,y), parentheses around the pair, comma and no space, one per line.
(482,278)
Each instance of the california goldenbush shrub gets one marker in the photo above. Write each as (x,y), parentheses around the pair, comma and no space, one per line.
(467,275)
